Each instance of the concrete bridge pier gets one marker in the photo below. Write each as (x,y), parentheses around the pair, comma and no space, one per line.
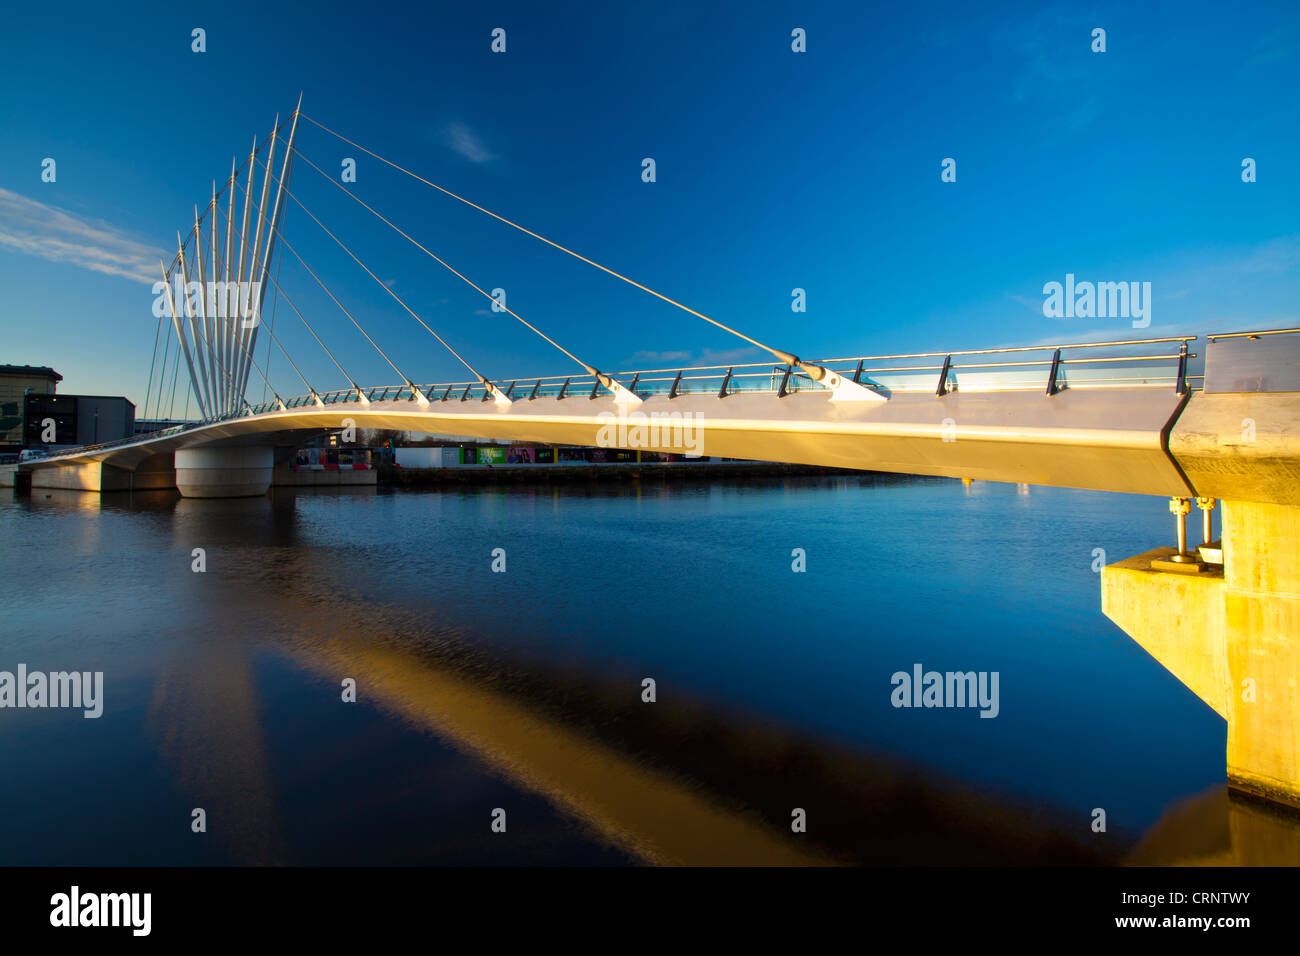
(154,473)
(224,472)
(1232,635)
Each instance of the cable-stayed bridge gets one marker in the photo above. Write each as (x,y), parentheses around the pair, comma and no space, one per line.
(1149,416)
(1115,416)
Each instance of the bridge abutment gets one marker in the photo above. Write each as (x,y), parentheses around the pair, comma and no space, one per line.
(1232,636)
(220,472)
(155,472)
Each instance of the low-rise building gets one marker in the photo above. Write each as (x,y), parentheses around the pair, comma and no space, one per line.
(64,420)
(16,382)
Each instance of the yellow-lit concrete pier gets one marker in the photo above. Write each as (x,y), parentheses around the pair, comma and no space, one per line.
(1230,631)
(1230,634)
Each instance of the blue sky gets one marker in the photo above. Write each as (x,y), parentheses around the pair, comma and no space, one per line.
(775,170)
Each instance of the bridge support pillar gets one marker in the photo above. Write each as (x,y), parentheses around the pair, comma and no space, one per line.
(1232,636)
(220,472)
(151,474)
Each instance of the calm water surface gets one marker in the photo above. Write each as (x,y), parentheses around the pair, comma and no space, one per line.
(522,691)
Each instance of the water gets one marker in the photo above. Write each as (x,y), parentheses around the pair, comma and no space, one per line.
(522,691)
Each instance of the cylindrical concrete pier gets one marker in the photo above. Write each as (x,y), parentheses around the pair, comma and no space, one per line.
(224,472)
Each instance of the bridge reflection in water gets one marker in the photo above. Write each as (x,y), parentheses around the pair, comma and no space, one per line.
(663,805)
(687,782)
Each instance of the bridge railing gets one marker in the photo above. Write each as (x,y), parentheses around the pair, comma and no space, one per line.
(1052,368)
(1158,363)
(1155,363)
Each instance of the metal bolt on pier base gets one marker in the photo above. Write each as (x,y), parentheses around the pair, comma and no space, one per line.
(1181,560)
(1211,551)
(1179,508)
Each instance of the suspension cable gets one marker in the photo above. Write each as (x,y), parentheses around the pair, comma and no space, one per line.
(280,291)
(157,334)
(473,371)
(591,370)
(176,370)
(815,370)
(162,376)
(288,245)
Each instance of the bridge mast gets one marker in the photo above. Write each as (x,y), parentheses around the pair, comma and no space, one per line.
(261,266)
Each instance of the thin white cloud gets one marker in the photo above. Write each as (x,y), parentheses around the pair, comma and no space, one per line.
(671,356)
(1278,45)
(1234,290)
(467,143)
(745,354)
(39,229)
(1280,255)
(1047,77)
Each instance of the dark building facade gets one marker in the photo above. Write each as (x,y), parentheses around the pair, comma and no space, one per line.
(51,420)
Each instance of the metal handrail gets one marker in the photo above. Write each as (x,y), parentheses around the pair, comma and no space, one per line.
(791,379)
(1251,335)
(1018,348)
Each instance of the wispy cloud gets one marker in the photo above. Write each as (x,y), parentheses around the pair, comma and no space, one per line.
(1279,45)
(468,143)
(1052,74)
(1280,255)
(671,356)
(38,229)
(1033,305)
(682,357)
(1218,290)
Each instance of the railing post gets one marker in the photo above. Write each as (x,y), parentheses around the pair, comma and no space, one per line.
(533,394)
(635,378)
(785,380)
(1180,386)
(595,389)
(857,374)
(722,392)
(465,396)
(942,388)
(563,388)
(446,394)
(1051,374)
(672,392)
